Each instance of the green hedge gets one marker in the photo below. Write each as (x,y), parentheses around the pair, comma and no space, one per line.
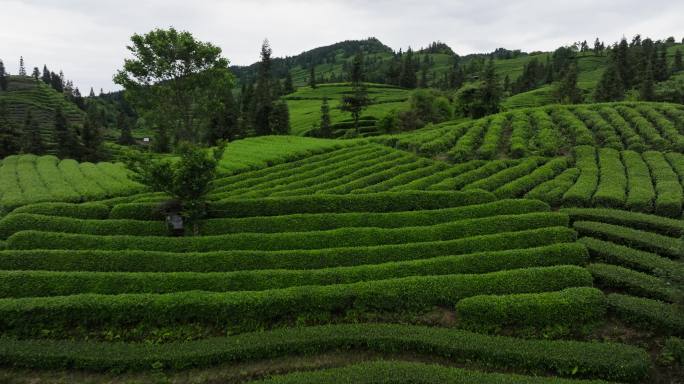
(569,358)
(649,313)
(526,183)
(552,191)
(581,192)
(372,202)
(635,283)
(633,258)
(395,372)
(674,350)
(78,211)
(21,283)
(640,191)
(144,261)
(648,241)
(463,179)
(342,237)
(612,186)
(493,182)
(324,221)
(17,222)
(670,195)
(662,225)
(248,310)
(572,307)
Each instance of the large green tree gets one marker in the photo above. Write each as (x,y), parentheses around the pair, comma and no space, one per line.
(263,93)
(64,137)
(9,136)
(610,86)
(31,140)
(358,99)
(3,77)
(173,80)
(566,90)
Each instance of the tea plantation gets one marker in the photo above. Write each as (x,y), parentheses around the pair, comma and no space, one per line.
(540,245)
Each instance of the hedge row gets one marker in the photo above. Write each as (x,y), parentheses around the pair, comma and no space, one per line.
(395,372)
(571,307)
(568,358)
(644,127)
(662,225)
(674,350)
(547,139)
(323,221)
(467,144)
(581,192)
(492,138)
(384,171)
(631,139)
(648,241)
(649,313)
(612,186)
(604,132)
(341,237)
(640,191)
(43,283)
(17,222)
(78,211)
(552,191)
(450,172)
(250,310)
(428,168)
(574,127)
(491,183)
(319,203)
(633,282)
(666,127)
(522,185)
(144,261)
(442,141)
(520,134)
(633,258)
(669,190)
(466,178)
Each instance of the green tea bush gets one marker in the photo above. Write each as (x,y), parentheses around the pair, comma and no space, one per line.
(662,225)
(524,184)
(653,314)
(668,188)
(633,282)
(553,190)
(612,186)
(640,191)
(648,241)
(78,211)
(581,192)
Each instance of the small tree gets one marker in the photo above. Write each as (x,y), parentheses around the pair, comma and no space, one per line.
(567,91)
(124,126)
(9,143)
(325,129)
(678,65)
(22,68)
(280,118)
(312,77)
(288,85)
(91,136)
(64,138)
(3,77)
(187,181)
(646,89)
(32,141)
(358,100)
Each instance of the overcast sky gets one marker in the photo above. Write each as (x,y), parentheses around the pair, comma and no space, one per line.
(87,38)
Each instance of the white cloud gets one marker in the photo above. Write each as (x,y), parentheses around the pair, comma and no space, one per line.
(87,39)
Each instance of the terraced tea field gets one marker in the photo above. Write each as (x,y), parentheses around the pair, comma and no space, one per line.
(358,261)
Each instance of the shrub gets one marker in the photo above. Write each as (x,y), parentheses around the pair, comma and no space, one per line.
(633,282)
(466,178)
(78,211)
(569,358)
(427,181)
(640,192)
(572,307)
(552,191)
(647,241)
(467,144)
(347,237)
(662,225)
(612,186)
(548,140)
(507,175)
(526,183)
(492,138)
(520,134)
(669,190)
(653,314)
(581,192)
(249,310)
(17,222)
(631,139)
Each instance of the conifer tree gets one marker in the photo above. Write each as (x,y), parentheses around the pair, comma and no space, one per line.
(32,141)
(224,124)
(124,126)
(408,71)
(64,137)
(660,71)
(288,85)
(9,143)
(92,92)
(567,91)
(56,82)
(263,96)
(646,92)
(597,47)
(490,90)
(624,64)
(280,118)
(358,100)
(36,73)
(46,76)
(91,137)
(3,77)
(609,87)
(325,128)
(22,68)
(312,76)
(678,65)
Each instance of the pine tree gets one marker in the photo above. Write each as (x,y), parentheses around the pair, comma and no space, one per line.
(92,92)
(3,77)
(22,68)
(358,100)
(124,126)
(36,73)
(423,78)
(9,143)
(263,96)
(225,125)
(47,79)
(91,137)
(408,71)
(312,77)
(660,71)
(624,64)
(646,92)
(64,137)
(32,141)
(280,118)
(288,85)
(490,90)
(678,65)
(567,91)
(597,47)
(609,87)
(325,128)
(56,82)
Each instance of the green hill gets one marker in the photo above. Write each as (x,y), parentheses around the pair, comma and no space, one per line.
(25,93)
